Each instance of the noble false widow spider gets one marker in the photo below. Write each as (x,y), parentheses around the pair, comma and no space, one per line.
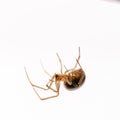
(72,78)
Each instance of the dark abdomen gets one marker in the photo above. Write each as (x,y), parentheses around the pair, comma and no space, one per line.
(77,80)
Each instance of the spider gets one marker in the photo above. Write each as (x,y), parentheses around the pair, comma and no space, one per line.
(72,78)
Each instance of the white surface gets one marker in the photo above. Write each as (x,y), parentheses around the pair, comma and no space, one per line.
(31,31)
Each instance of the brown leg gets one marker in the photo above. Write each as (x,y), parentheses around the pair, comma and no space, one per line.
(45,70)
(60,63)
(57,83)
(78,63)
(48,87)
(72,69)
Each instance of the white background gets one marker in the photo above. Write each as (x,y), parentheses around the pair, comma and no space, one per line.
(34,30)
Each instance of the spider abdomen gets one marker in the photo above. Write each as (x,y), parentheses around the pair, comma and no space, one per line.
(75,80)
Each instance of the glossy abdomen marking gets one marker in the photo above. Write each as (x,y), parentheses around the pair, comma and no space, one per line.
(77,80)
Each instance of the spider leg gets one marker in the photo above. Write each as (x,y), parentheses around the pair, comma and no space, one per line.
(57,84)
(72,69)
(77,58)
(33,85)
(45,70)
(49,84)
(60,62)
(78,63)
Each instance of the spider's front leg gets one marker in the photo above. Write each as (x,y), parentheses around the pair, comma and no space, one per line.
(49,84)
(57,84)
